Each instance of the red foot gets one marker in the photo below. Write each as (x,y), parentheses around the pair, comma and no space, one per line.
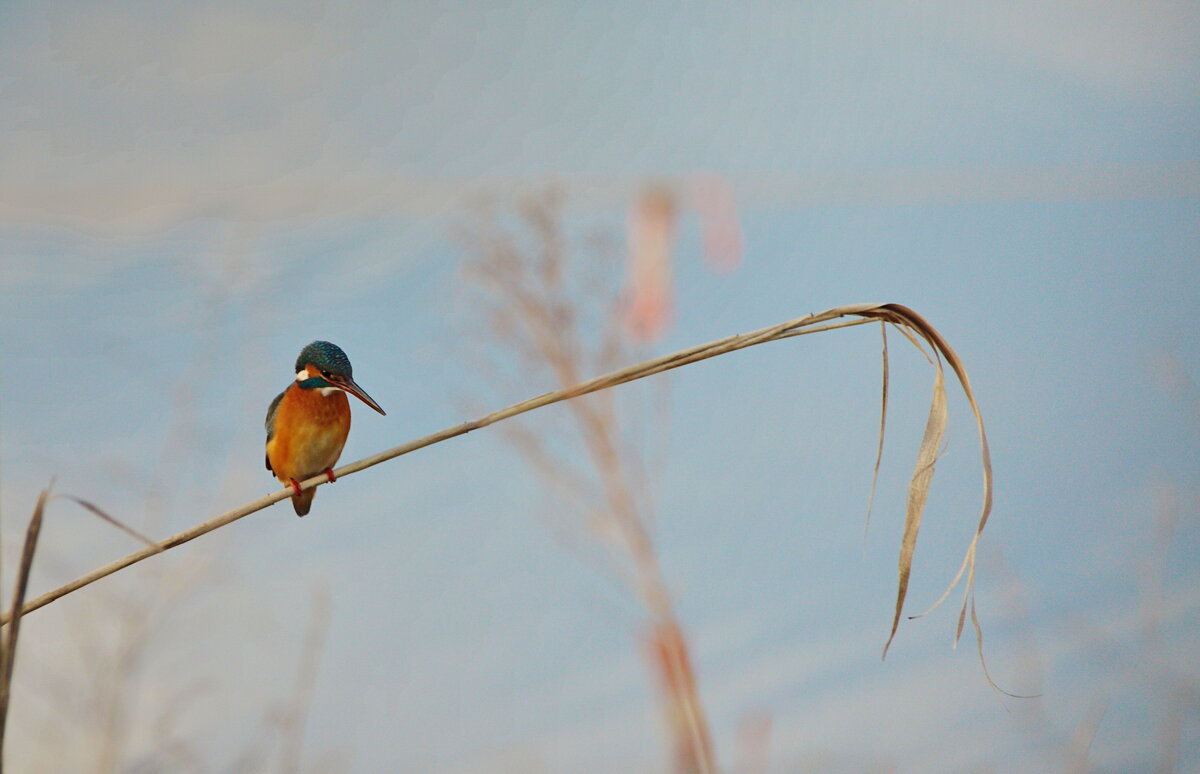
(295,486)
(329,472)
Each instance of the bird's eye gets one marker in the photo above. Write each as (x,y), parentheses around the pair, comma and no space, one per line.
(326,374)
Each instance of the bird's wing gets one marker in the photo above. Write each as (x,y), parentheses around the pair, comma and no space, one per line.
(270,423)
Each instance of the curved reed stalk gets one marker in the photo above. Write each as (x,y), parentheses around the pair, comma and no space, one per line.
(906,320)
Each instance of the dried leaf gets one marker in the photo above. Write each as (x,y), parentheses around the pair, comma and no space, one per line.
(882,426)
(918,491)
(902,315)
(983,661)
(968,563)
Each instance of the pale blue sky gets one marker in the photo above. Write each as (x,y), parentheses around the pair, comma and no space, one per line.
(188,196)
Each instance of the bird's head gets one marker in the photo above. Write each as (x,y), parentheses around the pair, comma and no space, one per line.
(324,365)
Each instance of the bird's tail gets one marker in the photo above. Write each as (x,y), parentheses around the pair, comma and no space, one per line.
(303,501)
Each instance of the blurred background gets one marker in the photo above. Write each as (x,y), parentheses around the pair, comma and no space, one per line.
(481,201)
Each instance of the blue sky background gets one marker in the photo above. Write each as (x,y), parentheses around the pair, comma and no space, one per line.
(189,195)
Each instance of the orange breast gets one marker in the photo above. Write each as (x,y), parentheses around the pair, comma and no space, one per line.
(310,431)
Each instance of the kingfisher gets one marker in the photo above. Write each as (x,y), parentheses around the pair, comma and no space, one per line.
(307,423)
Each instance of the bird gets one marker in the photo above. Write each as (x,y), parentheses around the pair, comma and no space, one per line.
(307,424)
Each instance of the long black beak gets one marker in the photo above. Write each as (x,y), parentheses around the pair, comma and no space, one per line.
(349,386)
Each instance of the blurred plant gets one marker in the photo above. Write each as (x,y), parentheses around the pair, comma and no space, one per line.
(651,248)
(555,305)
(528,267)
(653,226)
(1129,642)
(1147,668)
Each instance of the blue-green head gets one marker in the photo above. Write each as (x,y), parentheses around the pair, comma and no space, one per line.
(326,356)
(323,364)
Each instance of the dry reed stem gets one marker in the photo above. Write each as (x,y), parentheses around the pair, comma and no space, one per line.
(8,651)
(905,319)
